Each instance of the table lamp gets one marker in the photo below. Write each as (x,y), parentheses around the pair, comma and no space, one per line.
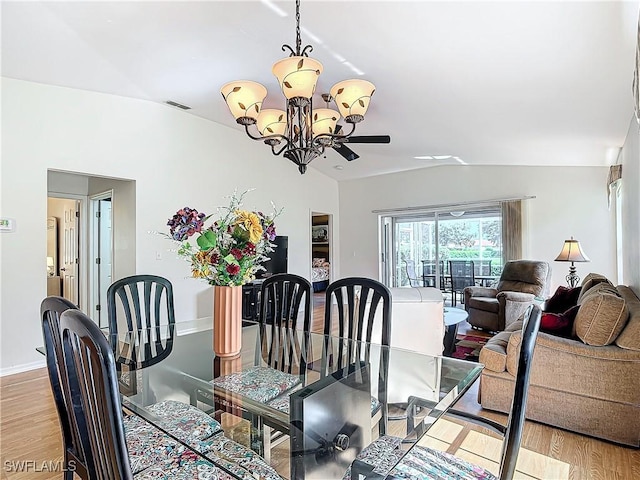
(572,252)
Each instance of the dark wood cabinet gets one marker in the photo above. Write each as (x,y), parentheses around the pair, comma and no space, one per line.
(251,300)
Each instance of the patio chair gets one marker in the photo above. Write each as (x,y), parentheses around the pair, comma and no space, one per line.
(462,275)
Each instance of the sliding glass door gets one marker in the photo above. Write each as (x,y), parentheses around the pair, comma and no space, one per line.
(417,249)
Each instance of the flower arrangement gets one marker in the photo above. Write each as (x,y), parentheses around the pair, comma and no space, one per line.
(231,250)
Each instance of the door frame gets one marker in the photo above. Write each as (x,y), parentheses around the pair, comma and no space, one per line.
(83,242)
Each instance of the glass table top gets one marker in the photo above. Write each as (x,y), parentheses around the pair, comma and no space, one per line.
(326,397)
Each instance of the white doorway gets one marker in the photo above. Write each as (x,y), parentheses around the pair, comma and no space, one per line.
(101,256)
(321,250)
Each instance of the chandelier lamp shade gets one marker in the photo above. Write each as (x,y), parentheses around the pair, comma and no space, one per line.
(572,252)
(300,132)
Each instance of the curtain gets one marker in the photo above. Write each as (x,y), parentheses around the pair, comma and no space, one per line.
(613,180)
(511,230)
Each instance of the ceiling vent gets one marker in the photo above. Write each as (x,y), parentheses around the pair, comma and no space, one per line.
(176,104)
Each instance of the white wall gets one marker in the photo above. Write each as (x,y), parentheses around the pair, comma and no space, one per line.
(175,158)
(630,159)
(123,214)
(569,201)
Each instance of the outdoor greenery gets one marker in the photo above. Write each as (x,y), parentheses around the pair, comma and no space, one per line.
(468,239)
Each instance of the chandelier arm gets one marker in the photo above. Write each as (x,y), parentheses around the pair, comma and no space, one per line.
(335,136)
(286,47)
(278,152)
(265,137)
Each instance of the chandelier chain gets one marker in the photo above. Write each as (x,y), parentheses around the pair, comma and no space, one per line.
(298,40)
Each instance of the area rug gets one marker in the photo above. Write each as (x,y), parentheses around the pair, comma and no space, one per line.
(468,347)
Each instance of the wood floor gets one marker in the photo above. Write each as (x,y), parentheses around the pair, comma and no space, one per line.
(29,432)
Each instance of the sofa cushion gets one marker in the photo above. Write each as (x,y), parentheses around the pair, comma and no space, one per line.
(601,317)
(590,281)
(629,338)
(485,304)
(562,300)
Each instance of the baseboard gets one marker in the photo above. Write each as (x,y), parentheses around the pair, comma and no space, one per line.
(25,367)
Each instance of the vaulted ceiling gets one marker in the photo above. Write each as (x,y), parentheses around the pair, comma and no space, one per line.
(481,83)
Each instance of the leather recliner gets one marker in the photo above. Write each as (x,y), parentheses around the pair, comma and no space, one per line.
(520,283)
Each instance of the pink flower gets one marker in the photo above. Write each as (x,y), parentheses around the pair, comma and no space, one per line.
(237,254)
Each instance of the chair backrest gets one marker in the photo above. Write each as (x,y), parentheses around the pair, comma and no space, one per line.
(482,267)
(142,303)
(50,310)
(281,296)
(515,423)
(528,276)
(353,302)
(91,379)
(462,274)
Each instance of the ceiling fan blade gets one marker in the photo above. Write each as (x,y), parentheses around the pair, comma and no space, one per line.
(346,152)
(369,139)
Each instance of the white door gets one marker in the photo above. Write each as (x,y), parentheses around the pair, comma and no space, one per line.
(69,269)
(101,266)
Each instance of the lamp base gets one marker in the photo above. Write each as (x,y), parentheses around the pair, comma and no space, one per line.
(572,279)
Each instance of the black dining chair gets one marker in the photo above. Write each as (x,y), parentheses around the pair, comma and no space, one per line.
(351,306)
(142,307)
(436,464)
(282,296)
(462,275)
(281,363)
(50,310)
(93,405)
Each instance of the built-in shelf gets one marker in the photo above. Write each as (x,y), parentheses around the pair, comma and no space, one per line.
(320,243)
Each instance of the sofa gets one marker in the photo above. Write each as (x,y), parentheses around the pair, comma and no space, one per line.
(587,380)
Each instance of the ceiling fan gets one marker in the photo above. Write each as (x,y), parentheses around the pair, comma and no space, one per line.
(339,144)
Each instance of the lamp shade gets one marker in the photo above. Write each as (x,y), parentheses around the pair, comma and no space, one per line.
(297,76)
(352,98)
(572,252)
(272,122)
(324,121)
(244,98)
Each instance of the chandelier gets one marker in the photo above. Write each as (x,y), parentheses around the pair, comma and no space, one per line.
(302,132)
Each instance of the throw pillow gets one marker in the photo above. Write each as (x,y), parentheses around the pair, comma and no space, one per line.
(317,262)
(601,318)
(559,324)
(563,299)
(591,280)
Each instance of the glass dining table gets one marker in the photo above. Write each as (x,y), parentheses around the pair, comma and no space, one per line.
(327,397)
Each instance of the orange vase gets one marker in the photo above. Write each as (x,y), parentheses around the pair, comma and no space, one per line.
(227,321)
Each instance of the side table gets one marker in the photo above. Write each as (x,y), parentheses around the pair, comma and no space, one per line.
(452,317)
